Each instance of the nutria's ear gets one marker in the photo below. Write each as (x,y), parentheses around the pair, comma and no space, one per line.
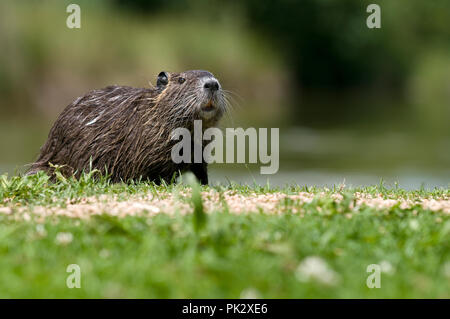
(163,79)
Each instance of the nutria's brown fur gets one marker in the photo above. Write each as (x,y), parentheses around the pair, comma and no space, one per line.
(127,131)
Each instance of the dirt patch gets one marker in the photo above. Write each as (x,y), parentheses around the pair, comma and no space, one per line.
(179,203)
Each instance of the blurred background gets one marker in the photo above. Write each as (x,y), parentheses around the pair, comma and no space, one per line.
(353,104)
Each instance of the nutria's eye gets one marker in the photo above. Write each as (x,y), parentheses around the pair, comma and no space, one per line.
(163,79)
(181,80)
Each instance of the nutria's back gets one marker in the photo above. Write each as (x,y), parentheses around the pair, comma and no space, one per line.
(127,130)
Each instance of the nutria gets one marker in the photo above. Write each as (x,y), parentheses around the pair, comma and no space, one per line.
(126,131)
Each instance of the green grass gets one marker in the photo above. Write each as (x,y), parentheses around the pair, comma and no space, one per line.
(220,255)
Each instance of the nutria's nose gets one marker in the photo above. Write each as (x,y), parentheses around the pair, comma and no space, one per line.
(211,85)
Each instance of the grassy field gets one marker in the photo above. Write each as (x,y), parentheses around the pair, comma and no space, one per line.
(142,240)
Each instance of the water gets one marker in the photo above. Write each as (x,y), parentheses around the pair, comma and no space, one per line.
(406,180)
(307,157)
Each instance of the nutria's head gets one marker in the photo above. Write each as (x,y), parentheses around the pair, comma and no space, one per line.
(193,94)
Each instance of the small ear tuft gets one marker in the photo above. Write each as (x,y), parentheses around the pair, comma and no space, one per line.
(163,79)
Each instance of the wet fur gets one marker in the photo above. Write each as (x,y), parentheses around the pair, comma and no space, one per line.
(126,131)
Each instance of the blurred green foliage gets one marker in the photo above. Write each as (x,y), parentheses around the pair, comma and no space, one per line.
(331,53)
(430,92)
(45,64)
